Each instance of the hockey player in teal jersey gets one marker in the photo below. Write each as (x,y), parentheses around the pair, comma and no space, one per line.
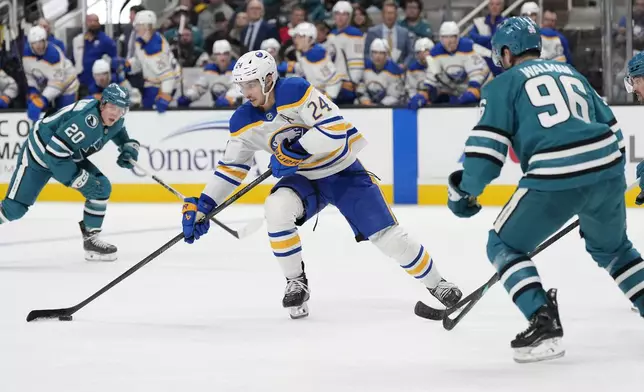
(58,147)
(571,151)
(634,82)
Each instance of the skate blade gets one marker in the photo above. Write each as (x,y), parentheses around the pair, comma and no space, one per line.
(298,312)
(544,351)
(94,256)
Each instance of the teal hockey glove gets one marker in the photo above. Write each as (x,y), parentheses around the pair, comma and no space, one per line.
(460,203)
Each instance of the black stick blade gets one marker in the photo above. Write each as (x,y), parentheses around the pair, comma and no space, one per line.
(49,313)
(427,312)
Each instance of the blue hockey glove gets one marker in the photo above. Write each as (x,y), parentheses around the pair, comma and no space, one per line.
(459,202)
(639,200)
(90,186)
(345,96)
(129,150)
(222,102)
(194,213)
(417,101)
(467,97)
(183,101)
(286,159)
(36,103)
(4,102)
(162,102)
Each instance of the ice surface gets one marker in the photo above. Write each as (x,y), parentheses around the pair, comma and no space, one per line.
(208,317)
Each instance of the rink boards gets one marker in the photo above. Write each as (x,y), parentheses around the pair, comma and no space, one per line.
(411,152)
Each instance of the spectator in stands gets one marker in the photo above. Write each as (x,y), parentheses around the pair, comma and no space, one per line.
(400,41)
(485,27)
(131,40)
(638,28)
(8,90)
(549,19)
(323,31)
(206,20)
(234,37)
(298,15)
(360,19)
(172,32)
(185,50)
(413,20)
(221,32)
(86,49)
(258,29)
(315,10)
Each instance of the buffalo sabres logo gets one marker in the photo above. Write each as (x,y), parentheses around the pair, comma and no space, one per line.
(376,91)
(91,121)
(259,54)
(289,132)
(456,73)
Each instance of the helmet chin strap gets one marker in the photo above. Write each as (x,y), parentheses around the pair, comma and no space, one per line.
(267,93)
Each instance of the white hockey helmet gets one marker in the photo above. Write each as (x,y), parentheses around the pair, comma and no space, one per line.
(221,46)
(256,65)
(271,45)
(448,28)
(343,7)
(529,8)
(100,67)
(36,33)
(423,44)
(145,17)
(306,29)
(379,45)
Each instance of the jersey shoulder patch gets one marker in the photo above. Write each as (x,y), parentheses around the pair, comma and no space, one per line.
(315,54)
(393,68)
(52,54)
(438,50)
(415,65)
(291,92)
(465,45)
(154,45)
(368,64)
(211,67)
(350,31)
(244,118)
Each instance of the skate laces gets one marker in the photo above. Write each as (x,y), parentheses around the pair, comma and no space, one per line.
(295,286)
(443,288)
(96,241)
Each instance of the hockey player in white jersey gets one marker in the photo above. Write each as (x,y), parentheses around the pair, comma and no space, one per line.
(153,57)
(314,154)
(313,61)
(346,47)
(8,90)
(217,79)
(455,71)
(272,46)
(103,77)
(383,79)
(554,45)
(415,77)
(51,77)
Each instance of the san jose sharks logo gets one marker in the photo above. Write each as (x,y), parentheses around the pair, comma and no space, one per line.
(91,121)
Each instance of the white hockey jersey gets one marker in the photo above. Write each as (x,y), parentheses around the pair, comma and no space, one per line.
(415,78)
(318,69)
(382,86)
(346,48)
(52,74)
(454,73)
(553,46)
(300,112)
(8,87)
(155,59)
(219,82)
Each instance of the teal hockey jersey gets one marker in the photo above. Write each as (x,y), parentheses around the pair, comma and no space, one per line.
(563,133)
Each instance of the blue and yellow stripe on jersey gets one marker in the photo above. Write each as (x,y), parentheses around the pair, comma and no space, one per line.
(285,243)
(291,93)
(420,266)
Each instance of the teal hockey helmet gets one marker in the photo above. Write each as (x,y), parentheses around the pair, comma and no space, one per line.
(519,34)
(635,69)
(116,95)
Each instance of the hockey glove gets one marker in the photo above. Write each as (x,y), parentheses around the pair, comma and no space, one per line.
(417,101)
(4,102)
(35,105)
(194,219)
(287,158)
(467,98)
(162,102)
(459,202)
(639,200)
(222,102)
(128,151)
(90,186)
(183,101)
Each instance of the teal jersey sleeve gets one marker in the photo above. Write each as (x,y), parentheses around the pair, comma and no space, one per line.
(604,115)
(488,143)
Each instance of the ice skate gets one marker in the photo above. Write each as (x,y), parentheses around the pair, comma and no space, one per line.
(447,293)
(541,341)
(95,248)
(295,296)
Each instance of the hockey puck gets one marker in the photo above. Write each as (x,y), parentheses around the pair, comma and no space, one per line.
(65,318)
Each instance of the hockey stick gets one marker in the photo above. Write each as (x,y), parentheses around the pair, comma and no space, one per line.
(66,313)
(467,303)
(248,229)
